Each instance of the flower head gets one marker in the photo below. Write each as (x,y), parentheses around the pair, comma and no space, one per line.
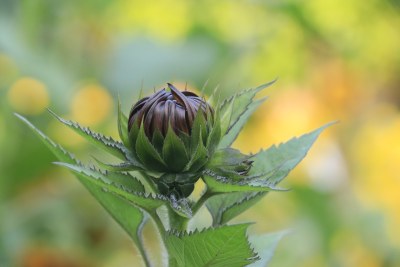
(168,108)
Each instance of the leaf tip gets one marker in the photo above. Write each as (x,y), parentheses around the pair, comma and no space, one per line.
(53,113)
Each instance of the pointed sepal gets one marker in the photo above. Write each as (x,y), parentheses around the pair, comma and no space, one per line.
(147,154)
(123,126)
(174,152)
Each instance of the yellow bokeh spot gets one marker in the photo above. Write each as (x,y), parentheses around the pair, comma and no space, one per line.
(28,96)
(91,105)
(376,152)
(151,18)
(290,113)
(223,16)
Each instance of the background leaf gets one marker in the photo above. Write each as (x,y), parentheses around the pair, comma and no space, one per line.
(265,246)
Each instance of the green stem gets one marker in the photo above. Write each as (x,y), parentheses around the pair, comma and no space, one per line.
(207,195)
(180,223)
(138,240)
(176,221)
(159,224)
(143,253)
(160,227)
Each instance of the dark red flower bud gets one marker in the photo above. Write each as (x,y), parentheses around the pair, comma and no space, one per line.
(168,108)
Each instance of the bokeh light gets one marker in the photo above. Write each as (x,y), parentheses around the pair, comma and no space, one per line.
(28,96)
(91,105)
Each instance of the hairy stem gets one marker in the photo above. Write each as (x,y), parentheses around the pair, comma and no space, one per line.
(176,222)
(181,223)
(159,224)
(208,194)
(143,253)
(161,229)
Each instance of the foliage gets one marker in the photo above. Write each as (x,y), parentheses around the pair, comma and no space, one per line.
(230,187)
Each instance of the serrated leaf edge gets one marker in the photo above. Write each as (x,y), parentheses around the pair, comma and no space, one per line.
(225,180)
(108,141)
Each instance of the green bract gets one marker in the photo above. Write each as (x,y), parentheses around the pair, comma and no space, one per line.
(169,141)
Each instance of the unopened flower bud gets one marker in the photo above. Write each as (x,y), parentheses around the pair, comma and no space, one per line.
(173,132)
(168,108)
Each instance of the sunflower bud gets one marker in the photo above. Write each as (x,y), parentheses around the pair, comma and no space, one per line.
(163,109)
(174,133)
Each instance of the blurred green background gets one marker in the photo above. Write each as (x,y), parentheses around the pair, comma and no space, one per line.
(336,60)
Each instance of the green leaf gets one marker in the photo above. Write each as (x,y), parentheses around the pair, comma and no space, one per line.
(229,162)
(241,102)
(147,202)
(121,178)
(56,149)
(278,161)
(219,247)
(142,200)
(147,154)
(122,167)
(223,173)
(174,152)
(265,246)
(218,184)
(214,98)
(227,157)
(227,115)
(123,126)
(275,163)
(106,143)
(238,125)
(225,207)
(130,218)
